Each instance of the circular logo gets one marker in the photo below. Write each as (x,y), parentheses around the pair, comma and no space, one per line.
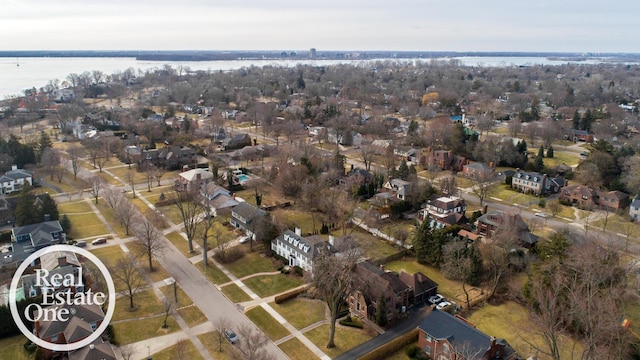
(62,314)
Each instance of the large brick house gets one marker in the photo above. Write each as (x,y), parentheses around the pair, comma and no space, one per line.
(536,183)
(489,223)
(591,198)
(446,337)
(477,171)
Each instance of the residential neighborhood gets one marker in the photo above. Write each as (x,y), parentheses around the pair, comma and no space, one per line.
(319,213)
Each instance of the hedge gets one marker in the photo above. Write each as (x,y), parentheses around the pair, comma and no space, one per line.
(392,346)
(279,299)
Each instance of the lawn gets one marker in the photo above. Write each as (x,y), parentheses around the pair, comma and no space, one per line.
(214,274)
(12,348)
(251,263)
(136,330)
(192,315)
(183,298)
(295,349)
(76,207)
(235,294)
(181,244)
(267,285)
(210,342)
(122,173)
(67,184)
(374,247)
(505,321)
(109,215)
(297,218)
(109,255)
(147,304)
(448,288)
(86,225)
(345,338)
(181,350)
(172,213)
(561,157)
(158,273)
(301,312)
(273,329)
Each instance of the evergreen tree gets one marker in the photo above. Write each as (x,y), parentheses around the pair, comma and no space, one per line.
(538,164)
(26,213)
(48,207)
(576,120)
(550,152)
(541,152)
(381,311)
(44,143)
(403,171)
(65,223)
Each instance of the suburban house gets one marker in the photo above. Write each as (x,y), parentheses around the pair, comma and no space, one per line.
(29,238)
(219,199)
(590,198)
(245,217)
(444,159)
(444,211)
(62,95)
(60,263)
(298,250)
(487,224)
(421,287)
(84,320)
(477,171)
(170,157)
(634,209)
(579,135)
(401,189)
(14,180)
(193,180)
(443,336)
(407,153)
(536,183)
(236,141)
(380,286)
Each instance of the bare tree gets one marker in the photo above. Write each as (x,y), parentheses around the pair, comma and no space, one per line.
(168,305)
(554,207)
(219,325)
(75,153)
(252,343)
(205,225)
(497,252)
(222,240)
(482,184)
(149,241)
(189,209)
(50,161)
(126,214)
(367,153)
(131,180)
(334,277)
(126,272)
(113,196)
(127,352)
(96,183)
(180,350)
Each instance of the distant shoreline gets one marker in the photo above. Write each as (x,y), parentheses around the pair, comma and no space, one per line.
(211,55)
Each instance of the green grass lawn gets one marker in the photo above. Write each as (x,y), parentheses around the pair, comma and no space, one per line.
(183,298)
(297,218)
(147,304)
(109,255)
(109,215)
(210,342)
(12,348)
(373,247)
(181,350)
(345,338)
(561,157)
(273,329)
(505,321)
(68,184)
(249,264)
(86,225)
(267,285)
(301,312)
(295,349)
(189,312)
(136,330)
(181,243)
(214,274)
(158,273)
(235,294)
(172,213)
(122,173)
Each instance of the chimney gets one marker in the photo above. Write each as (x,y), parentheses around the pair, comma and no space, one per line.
(332,240)
(14,167)
(484,209)
(62,261)
(298,231)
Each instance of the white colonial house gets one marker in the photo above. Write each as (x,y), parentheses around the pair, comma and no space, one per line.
(14,180)
(298,250)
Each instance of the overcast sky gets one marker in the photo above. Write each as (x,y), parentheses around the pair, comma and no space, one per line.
(442,25)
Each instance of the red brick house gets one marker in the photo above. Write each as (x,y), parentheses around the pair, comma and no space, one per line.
(590,198)
(477,171)
(446,337)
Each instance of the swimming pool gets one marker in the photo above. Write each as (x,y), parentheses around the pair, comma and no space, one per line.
(243,178)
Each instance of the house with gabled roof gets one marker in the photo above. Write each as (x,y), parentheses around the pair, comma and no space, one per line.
(536,183)
(379,285)
(219,199)
(298,250)
(245,217)
(421,287)
(487,224)
(589,198)
(194,179)
(634,209)
(29,238)
(14,180)
(477,171)
(444,211)
(401,189)
(443,336)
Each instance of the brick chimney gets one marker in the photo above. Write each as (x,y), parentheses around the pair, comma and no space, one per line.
(62,261)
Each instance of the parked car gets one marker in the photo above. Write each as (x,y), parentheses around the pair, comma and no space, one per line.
(230,336)
(542,215)
(81,243)
(435,299)
(443,305)
(244,240)
(99,241)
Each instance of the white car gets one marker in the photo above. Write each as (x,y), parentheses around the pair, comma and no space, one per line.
(542,215)
(435,299)
(443,305)
(244,240)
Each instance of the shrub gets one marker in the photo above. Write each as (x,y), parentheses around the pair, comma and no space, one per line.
(298,271)
(542,202)
(279,299)
(349,321)
(412,351)
(392,346)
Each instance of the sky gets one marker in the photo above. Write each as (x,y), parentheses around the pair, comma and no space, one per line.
(397,25)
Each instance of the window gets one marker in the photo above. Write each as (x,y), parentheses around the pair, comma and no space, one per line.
(427,349)
(54,338)
(94,326)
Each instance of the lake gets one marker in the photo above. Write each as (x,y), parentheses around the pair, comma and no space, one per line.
(38,71)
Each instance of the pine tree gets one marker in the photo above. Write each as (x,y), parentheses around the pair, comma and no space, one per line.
(65,223)
(550,152)
(541,152)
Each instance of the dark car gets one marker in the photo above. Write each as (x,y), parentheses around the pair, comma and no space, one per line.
(230,336)
(99,241)
(81,243)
